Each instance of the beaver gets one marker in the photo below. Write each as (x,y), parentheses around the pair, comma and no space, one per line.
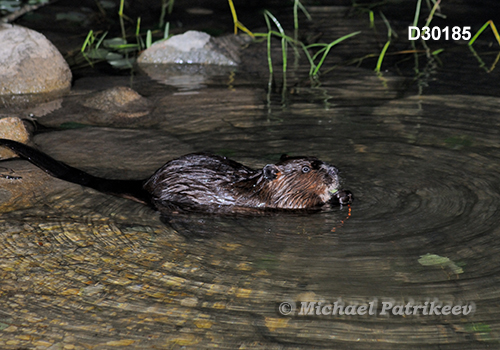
(212,183)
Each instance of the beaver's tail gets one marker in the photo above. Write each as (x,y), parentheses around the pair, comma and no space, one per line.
(132,189)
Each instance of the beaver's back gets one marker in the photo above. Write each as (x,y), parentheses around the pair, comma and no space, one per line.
(196,180)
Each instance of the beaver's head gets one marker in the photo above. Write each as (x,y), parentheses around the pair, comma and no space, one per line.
(298,183)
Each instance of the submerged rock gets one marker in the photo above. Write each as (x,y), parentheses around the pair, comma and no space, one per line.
(12,128)
(21,182)
(29,63)
(116,106)
(121,102)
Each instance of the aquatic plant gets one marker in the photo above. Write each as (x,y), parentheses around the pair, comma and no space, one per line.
(325,49)
(237,23)
(119,52)
(166,6)
(480,31)
(474,38)
(433,6)
(390,34)
(16,8)
(287,40)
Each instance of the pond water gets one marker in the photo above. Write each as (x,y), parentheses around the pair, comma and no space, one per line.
(421,157)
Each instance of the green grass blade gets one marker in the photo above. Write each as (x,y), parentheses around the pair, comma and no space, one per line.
(166,33)
(390,32)
(120,15)
(431,15)
(332,44)
(101,40)
(309,58)
(276,22)
(295,15)
(481,30)
(417,13)
(138,27)
(372,19)
(304,11)
(296,5)
(381,56)
(284,53)
(88,40)
(269,58)
(149,39)
(478,34)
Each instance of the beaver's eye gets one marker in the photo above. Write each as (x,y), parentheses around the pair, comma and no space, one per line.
(306,169)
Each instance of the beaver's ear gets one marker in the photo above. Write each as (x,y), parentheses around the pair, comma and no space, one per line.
(271,171)
(284,156)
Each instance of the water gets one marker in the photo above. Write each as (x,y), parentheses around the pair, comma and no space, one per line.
(80,267)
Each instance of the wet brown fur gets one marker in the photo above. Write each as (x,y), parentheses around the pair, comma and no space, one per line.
(216,183)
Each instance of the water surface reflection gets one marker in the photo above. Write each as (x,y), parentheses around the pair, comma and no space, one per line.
(79,267)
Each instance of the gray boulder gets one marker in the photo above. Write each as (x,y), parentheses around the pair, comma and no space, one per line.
(29,63)
(194,47)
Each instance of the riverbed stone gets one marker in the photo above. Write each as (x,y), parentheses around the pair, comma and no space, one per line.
(12,128)
(30,63)
(120,101)
(21,182)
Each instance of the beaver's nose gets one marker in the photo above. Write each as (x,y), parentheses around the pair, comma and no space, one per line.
(333,170)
